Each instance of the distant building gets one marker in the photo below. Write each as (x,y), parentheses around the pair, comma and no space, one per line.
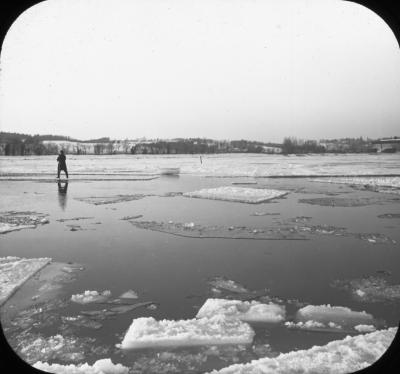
(270,149)
(387,145)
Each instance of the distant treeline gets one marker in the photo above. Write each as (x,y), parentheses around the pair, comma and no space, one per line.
(293,145)
(13,144)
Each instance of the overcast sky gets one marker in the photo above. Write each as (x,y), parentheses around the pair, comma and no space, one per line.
(224,69)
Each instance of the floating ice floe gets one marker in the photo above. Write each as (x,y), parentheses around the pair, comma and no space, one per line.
(344,202)
(192,230)
(370,289)
(365,328)
(81,321)
(339,356)
(15,271)
(104,366)
(91,297)
(146,332)
(102,200)
(244,310)
(389,215)
(130,294)
(13,221)
(332,316)
(237,194)
(314,326)
(73,219)
(226,284)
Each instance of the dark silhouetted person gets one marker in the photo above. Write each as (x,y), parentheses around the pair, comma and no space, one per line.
(62,194)
(61,164)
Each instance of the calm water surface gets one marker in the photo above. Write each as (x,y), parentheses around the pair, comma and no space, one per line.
(173,271)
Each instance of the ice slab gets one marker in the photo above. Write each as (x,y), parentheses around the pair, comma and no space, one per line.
(104,366)
(244,310)
(15,271)
(339,356)
(102,200)
(315,326)
(365,328)
(91,297)
(193,230)
(146,332)
(345,202)
(338,315)
(237,194)
(130,294)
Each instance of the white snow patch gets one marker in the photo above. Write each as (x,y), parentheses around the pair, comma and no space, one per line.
(339,356)
(336,314)
(146,332)
(365,328)
(15,271)
(237,194)
(244,310)
(104,366)
(91,297)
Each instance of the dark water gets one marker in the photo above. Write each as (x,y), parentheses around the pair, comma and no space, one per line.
(173,271)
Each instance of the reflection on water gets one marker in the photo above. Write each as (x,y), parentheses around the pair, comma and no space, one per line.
(62,194)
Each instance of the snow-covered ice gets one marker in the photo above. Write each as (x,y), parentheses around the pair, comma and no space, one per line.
(244,310)
(237,194)
(365,328)
(15,271)
(104,366)
(393,182)
(337,357)
(338,315)
(91,297)
(146,332)
(130,294)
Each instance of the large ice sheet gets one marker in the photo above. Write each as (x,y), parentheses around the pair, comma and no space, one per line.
(104,366)
(237,194)
(222,165)
(245,311)
(15,271)
(338,315)
(337,357)
(146,332)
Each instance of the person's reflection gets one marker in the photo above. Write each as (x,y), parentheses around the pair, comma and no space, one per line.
(62,194)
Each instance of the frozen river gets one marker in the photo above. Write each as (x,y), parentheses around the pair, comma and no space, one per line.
(131,228)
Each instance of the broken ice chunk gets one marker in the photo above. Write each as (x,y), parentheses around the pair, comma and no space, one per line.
(223,283)
(245,311)
(365,328)
(91,297)
(347,355)
(104,366)
(130,294)
(146,332)
(237,194)
(338,315)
